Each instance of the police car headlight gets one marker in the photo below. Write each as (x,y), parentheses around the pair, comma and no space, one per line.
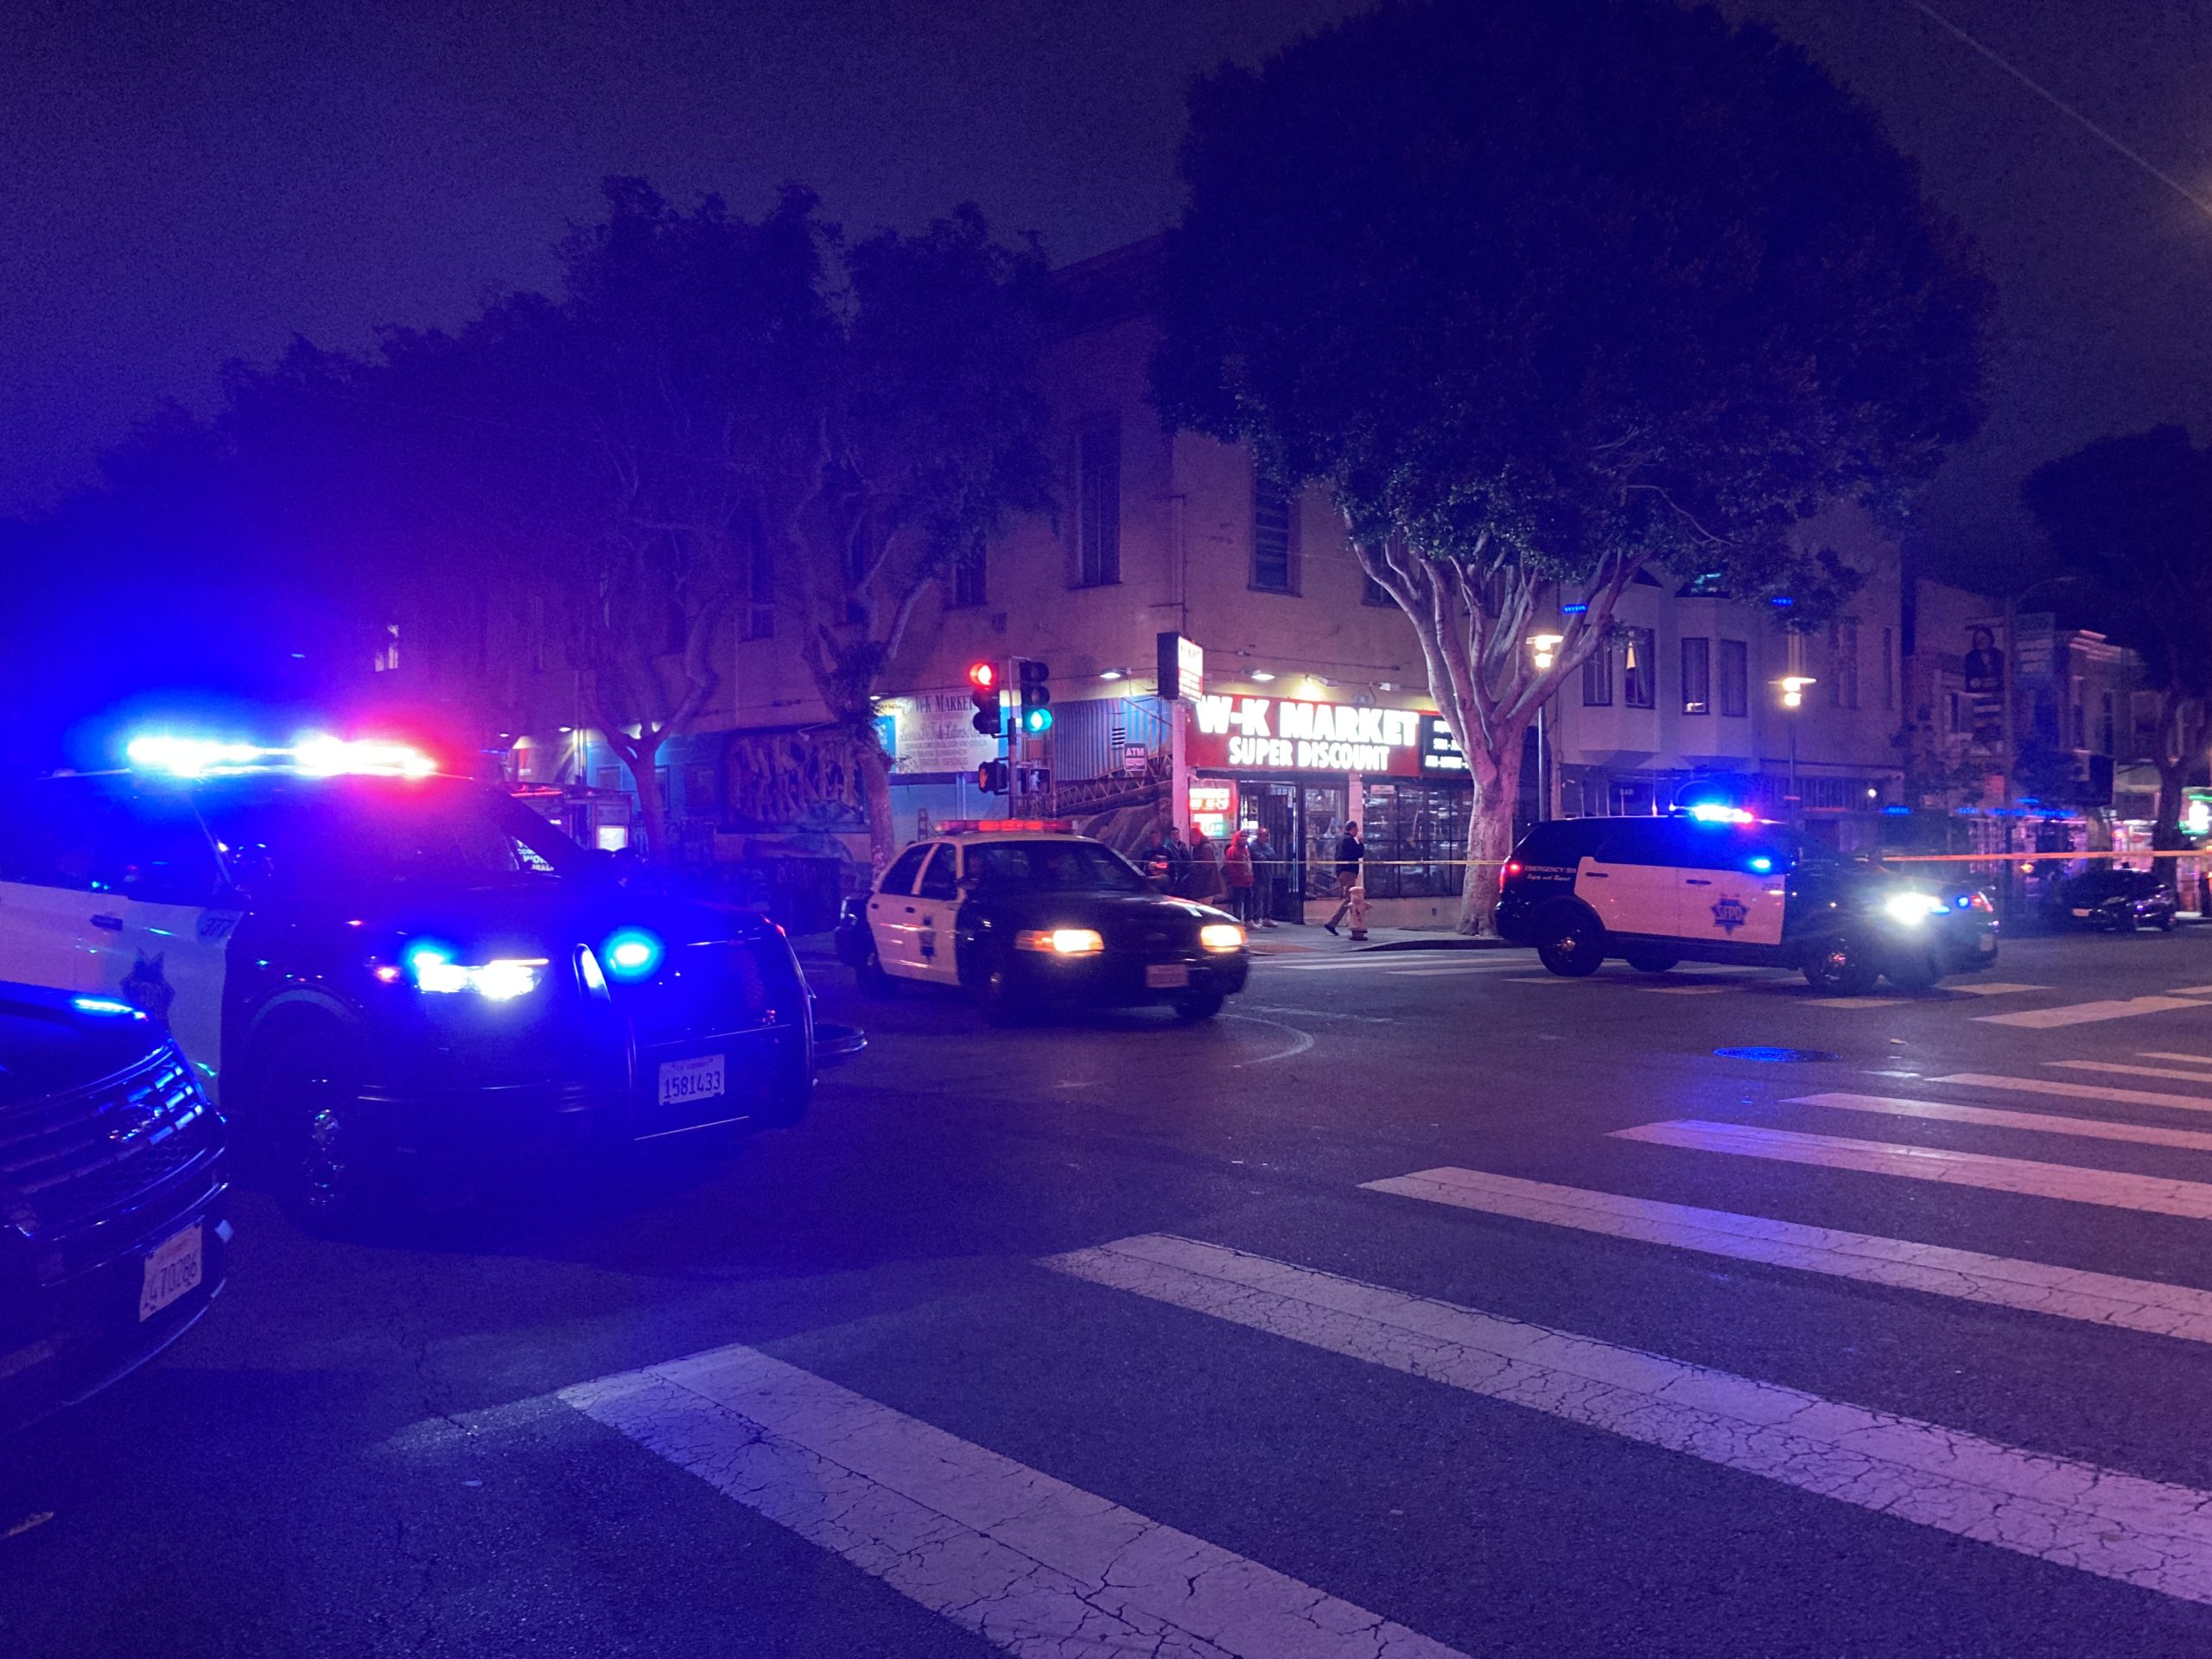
(1222,936)
(500,980)
(1060,941)
(1912,908)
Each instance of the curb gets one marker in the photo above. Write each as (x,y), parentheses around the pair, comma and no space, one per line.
(1453,943)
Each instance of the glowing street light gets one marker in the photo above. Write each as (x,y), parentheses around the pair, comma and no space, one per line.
(1545,648)
(1793,689)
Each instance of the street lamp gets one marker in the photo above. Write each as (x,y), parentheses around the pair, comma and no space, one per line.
(1544,649)
(1793,698)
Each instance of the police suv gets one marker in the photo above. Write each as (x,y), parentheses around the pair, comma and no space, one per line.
(374,966)
(1715,885)
(1022,915)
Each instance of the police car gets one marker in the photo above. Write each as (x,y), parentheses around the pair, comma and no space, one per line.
(371,965)
(1715,885)
(1022,915)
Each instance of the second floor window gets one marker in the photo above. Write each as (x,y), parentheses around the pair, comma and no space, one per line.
(1274,539)
(970,577)
(1598,677)
(1843,651)
(1735,678)
(1639,672)
(1098,507)
(1697,677)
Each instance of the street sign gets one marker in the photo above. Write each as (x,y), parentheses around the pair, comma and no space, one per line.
(1181,666)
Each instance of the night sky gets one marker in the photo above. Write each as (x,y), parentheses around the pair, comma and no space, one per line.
(185,184)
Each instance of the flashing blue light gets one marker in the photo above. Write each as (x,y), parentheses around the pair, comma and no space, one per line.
(631,954)
(1761,865)
(1781,601)
(105,1005)
(1574,610)
(1897,811)
(1964,901)
(1719,812)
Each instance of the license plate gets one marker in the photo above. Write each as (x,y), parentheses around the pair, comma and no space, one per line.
(1167,976)
(2084,913)
(172,1270)
(682,1080)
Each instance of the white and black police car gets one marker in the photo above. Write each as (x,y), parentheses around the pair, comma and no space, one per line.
(374,968)
(1712,884)
(1025,916)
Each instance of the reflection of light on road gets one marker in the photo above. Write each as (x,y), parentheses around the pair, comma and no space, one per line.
(1301,1041)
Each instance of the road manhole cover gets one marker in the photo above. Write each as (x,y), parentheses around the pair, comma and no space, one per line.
(1779,1056)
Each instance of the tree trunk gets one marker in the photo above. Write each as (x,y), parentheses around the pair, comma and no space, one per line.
(1495,769)
(651,804)
(2165,827)
(875,791)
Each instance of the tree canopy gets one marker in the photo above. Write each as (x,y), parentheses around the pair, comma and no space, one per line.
(1544,292)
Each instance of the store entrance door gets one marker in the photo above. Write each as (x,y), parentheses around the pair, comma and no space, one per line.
(1303,822)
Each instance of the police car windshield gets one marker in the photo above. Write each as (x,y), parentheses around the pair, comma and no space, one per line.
(1051,867)
(300,834)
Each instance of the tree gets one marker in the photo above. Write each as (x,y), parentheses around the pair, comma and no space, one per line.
(2131,520)
(1547,291)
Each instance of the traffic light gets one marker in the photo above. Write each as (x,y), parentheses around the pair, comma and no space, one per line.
(991,778)
(984,680)
(1036,696)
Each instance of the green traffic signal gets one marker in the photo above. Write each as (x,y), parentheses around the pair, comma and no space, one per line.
(1037,720)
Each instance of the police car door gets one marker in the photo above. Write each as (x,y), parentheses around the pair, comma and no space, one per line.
(1732,882)
(937,896)
(1631,881)
(47,885)
(169,956)
(894,915)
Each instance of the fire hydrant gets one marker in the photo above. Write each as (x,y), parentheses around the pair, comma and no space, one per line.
(1358,917)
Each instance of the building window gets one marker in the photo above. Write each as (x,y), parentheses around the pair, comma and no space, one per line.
(387,657)
(2078,735)
(1098,507)
(2107,726)
(1843,673)
(1274,539)
(1417,839)
(1889,669)
(1697,677)
(1639,669)
(1372,591)
(970,577)
(1735,678)
(1598,677)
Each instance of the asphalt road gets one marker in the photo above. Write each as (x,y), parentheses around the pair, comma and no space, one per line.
(1093,1337)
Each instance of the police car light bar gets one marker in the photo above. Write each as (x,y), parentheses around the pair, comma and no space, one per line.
(315,757)
(996,826)
(1714,812)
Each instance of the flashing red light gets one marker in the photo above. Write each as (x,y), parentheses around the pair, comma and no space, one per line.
(1512,869)
(982,675)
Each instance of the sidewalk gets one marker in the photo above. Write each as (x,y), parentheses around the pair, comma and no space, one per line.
(1288,940)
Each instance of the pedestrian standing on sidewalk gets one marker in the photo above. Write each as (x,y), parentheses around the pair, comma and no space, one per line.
(1207,884)
(1350,851)
(1236,876)
(1265,873)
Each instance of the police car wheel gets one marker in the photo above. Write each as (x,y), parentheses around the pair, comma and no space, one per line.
(874,981)
(1195,1008)
(1571,943)
(308,1098)
(1644,962)
(1914,970)
(995,996)
(1843,964)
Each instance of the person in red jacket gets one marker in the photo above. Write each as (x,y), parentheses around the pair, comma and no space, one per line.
(1237,876)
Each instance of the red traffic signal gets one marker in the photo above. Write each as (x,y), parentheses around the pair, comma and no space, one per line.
(983,676)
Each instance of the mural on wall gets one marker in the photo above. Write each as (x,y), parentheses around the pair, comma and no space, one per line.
(787,782)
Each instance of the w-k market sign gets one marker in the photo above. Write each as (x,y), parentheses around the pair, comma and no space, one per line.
(1283,735)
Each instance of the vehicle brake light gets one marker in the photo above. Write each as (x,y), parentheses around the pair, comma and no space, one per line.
(1512,869)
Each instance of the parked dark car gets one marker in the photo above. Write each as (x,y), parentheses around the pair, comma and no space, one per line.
(112,1197)
(2115,900)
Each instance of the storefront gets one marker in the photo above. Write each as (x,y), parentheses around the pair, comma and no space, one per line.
(1301,770)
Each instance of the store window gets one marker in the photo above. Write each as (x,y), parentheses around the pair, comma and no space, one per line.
(1417,839)
(1735,678)
(1697,675)
(1639,669)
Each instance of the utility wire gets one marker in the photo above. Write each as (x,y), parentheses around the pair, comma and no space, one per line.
(2059,104)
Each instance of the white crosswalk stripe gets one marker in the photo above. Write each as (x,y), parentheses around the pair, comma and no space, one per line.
(1033,1565)
(2091,1128)
(2119,1526)
(2177,1311)
(2082,1014)
(2152,1194)
(2078,1091)
(2193,1060)
(2121,1069)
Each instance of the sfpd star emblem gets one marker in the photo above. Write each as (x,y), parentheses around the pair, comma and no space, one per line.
(1729,914)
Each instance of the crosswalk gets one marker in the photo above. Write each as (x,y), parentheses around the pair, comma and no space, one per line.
(1035,1564)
